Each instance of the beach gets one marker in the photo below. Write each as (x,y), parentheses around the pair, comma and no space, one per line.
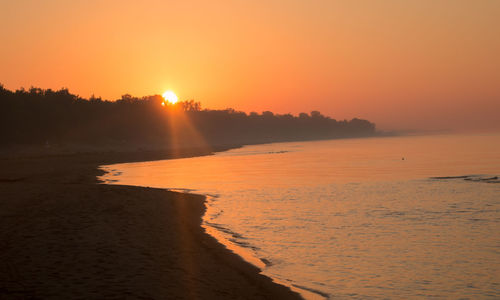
(65,236)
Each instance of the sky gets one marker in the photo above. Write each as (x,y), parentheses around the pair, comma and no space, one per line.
(403,64)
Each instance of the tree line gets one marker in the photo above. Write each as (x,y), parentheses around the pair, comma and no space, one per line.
(47,117)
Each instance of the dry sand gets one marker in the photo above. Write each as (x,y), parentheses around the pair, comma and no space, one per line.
(63,236)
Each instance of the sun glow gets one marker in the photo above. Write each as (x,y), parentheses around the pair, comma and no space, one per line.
(170,97)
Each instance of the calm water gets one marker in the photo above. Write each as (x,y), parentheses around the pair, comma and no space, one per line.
(352,218)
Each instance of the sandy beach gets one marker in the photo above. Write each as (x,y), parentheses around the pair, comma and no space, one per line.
(64,236)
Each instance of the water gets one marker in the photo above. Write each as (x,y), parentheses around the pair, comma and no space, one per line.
(357,218)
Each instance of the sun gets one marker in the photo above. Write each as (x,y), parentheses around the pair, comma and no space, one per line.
(170,97)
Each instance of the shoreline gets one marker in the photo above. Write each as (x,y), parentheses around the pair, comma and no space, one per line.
(219,234)
(66,235)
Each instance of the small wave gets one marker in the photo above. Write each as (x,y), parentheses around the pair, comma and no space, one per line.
(322,294)
(472,178)
(267,262)
(234,237)
(226,230)
(181,190)
(485,179)
(452,177)
(244,244)
(277,152)
(216,215)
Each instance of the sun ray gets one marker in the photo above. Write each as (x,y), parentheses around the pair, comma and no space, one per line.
(183,133)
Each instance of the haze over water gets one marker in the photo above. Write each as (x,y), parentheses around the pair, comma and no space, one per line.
(357,218)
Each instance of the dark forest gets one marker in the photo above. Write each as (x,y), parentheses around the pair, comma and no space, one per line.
(57,118)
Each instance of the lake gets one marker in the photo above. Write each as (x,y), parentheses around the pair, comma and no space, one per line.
(352,218)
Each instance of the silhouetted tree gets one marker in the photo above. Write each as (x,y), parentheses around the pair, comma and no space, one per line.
(190,105)
(36,116)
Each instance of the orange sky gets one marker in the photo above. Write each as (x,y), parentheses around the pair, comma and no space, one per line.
(423,64)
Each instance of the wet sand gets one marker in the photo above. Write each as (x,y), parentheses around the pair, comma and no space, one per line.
(63,236)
